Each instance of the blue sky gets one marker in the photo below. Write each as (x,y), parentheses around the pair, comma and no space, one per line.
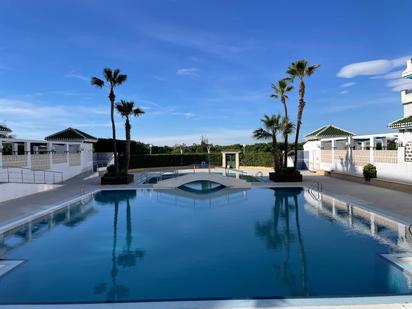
(200,67)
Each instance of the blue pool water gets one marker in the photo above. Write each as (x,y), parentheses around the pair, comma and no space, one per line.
(148,245)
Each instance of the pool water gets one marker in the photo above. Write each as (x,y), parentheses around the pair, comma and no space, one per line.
(202,187)
(148,245)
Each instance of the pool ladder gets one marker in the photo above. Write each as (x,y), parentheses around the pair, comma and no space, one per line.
(315,190)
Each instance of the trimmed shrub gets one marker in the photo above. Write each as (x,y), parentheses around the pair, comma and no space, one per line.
(369,171)
(164,160)
(256,159)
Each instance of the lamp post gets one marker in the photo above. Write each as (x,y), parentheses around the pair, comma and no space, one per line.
(150,148)
(244,148)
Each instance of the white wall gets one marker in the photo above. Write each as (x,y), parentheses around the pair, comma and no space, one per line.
(10,191)
(400,171)
(68,171)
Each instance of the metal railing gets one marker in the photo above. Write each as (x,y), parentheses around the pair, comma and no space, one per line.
(315,190)
(16,174)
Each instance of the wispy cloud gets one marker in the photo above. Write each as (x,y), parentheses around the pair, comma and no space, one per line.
(184,114)
(400,84)
(358,103)
(77,76)
(193,72)
(371,68)
(391,75)
(36,119)
(347,85)
(216,136)
(343,92)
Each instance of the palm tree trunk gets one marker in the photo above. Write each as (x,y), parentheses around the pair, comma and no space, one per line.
(301,247)
(275,152)
(285,161)
(299,120)
(112,98)
(127,159)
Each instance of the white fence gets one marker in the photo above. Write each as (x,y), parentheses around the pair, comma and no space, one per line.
(63,158)
(350,156)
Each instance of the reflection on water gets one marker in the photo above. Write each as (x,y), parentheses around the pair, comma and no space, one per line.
(174,244)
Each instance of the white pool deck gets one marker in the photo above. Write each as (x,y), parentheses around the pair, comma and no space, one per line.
(393,203)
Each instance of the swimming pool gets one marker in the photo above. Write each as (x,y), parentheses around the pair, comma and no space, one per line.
(170,244)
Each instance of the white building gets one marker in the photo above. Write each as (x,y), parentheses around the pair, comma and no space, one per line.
(59,157)
(334,149)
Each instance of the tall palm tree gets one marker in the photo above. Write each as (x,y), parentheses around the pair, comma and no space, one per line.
(300,70)
(272,125)
(113,79)
(281,90)
(127,109)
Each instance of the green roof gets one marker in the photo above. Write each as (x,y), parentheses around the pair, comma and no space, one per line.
(3,128)
(328,131)
(71,134)
(401,123)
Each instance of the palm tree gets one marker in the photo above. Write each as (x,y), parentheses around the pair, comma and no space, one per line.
(299,70)
(272,125)
(281,90)
(113,79)
(127,109)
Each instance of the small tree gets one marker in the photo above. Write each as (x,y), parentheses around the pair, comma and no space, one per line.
(127,109)
(369,171)
(272,125)
(287,128)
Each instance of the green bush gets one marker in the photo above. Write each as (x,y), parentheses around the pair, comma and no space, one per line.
(369,171)
(164,160)
(256,159)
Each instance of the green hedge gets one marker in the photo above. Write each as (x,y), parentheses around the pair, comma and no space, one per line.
(163,160)
(256,159)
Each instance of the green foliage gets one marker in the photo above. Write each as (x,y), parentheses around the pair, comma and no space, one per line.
(164,160)
(256,159)
(369,171)
(106,145)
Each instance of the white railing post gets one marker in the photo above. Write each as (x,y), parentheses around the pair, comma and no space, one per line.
(27,152)
(67,154)
(50,152)
(1,154)
(372,147)
(350,149)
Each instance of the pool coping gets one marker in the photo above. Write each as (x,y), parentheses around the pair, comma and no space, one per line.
(217,303)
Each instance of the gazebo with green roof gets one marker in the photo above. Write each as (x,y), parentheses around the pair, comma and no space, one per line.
(328,131)
(4,131)
(71,135)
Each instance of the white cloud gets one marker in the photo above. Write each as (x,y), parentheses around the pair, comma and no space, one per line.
(77,76)
(391,75)
(184,114)
(373,67)
(347,85)
(400,84)
(193,72)
(215,136)
(343,92)
(36,119)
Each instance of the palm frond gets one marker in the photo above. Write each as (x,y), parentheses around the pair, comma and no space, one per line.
(97,82)
(261,134)
(120,79)
(138,112)
(108,74)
